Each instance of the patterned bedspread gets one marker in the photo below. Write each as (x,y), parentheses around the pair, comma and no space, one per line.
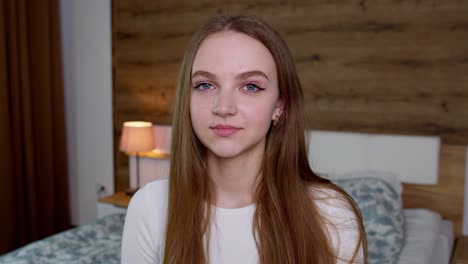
(93,243)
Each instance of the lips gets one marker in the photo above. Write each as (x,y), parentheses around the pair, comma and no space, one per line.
(224,130)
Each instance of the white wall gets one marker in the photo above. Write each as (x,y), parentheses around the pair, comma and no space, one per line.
(86,48)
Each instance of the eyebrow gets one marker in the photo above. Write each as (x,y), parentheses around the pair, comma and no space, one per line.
(252,73)
(204,74)
(240,76)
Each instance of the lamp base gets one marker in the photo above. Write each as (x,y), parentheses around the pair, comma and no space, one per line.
(131,192)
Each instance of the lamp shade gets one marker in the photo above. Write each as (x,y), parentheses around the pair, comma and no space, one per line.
(137,136)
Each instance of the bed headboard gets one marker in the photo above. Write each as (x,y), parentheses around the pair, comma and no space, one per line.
(447,196)
(433,174)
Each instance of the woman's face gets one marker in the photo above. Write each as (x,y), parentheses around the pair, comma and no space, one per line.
(234,94)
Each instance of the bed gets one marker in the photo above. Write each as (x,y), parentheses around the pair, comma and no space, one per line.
(98,242)
(410,190)
(408,219)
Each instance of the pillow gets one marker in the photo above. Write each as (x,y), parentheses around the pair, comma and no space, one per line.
(378,196)
(388,177)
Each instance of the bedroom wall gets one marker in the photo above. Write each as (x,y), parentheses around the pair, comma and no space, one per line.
(366,66)
(85,33)
(86,47)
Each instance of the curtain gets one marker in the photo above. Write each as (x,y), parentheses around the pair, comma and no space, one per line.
(34,200)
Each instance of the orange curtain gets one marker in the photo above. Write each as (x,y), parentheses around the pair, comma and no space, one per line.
(34,200)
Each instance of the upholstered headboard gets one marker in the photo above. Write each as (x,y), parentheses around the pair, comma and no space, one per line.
(433,174)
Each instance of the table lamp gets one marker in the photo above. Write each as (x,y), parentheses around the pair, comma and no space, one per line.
(137,136)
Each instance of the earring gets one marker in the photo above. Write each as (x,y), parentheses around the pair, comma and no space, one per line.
(276,120)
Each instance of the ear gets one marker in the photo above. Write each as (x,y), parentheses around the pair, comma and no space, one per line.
(279,108)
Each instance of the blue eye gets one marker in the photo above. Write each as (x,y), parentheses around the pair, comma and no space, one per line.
(252,87)
(203,86)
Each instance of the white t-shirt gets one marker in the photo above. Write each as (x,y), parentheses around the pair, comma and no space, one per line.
(231,239)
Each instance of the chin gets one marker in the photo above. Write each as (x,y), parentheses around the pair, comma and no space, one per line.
(232,151)
(224,153)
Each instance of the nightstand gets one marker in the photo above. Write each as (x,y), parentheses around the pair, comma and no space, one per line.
(460,255)
(113,204)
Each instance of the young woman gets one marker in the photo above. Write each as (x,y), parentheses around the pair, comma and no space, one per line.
(240,188)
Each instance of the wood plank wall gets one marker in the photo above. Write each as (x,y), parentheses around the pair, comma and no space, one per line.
(387,66)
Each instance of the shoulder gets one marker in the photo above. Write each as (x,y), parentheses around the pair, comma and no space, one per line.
(145,221)
(150,202)
(343,224)
(151,195)
(334,205)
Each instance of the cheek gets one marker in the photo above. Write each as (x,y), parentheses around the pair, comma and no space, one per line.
(199,108)
(260,115)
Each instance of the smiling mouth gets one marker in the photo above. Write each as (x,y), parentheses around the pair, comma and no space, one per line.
(224,130)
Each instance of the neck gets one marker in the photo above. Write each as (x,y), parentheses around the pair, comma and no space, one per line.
(235,179)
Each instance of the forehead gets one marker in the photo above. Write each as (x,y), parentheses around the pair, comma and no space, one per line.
(230,52)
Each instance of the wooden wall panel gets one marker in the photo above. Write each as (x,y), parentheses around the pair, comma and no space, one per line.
(367,66)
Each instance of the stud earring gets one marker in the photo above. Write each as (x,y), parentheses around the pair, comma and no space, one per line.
(276,120)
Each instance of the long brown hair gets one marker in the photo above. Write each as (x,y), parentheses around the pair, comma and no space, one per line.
(288,225)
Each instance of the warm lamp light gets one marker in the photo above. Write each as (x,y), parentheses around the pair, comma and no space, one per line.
(137,136)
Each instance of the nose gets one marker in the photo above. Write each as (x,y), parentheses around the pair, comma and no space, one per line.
(224,103)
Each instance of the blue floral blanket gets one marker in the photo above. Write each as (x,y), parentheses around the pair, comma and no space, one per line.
(93,243)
